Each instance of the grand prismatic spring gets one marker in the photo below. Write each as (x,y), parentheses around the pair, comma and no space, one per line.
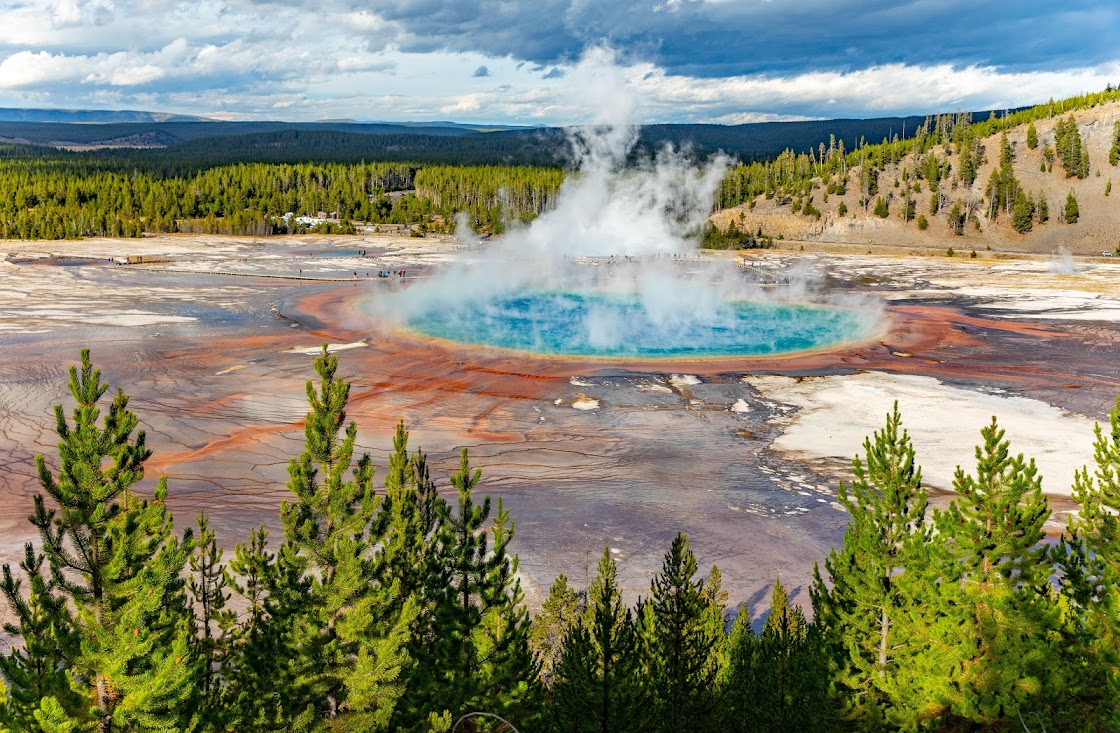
(621,326)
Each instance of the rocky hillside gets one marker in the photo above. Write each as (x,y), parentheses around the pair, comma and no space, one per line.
(844,219)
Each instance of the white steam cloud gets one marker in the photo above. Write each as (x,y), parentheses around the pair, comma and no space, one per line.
(1061,262)
(619,226)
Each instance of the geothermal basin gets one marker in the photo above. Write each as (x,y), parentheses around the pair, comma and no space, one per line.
(741,449)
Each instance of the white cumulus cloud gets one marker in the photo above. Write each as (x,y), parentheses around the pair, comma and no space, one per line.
(329,59)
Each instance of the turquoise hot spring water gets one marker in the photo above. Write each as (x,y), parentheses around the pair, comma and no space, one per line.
(616,325)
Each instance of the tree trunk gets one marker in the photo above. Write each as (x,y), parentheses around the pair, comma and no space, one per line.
(884,630)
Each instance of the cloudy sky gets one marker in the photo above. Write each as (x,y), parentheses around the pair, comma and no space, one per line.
(537,61)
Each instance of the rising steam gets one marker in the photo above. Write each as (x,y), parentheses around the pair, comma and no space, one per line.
(1061,262)
(618,227)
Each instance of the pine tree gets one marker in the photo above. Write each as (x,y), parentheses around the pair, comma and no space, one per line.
(1042,208)
(1006,152)
(682,677)
(1071,212)
(994,626)
(787,679)
(472,642)
(38,670)
(258,673)
(597,680)
(645,632)
(716,622)
(1032,136)
(881,209)
(208,585)
(1071,149)
(350,647)
(1022,218)
(115,561)
(1090,561)
(956,219)
(507,669)
(558,615)
(738,688)
(1004,191)
(407,520)
(967,164)
(1114,151)
(860,613)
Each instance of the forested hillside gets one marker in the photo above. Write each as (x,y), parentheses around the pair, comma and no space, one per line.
(388,605)
(952,175)
(999,179)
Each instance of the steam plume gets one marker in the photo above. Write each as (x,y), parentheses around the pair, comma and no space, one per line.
(619,226)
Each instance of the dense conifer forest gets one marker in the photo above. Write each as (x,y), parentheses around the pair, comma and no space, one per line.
(73,197)
(387,604)
(244,184)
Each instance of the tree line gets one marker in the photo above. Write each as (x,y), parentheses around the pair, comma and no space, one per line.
(399,608)
(430,146)
(69,198)
(205,185)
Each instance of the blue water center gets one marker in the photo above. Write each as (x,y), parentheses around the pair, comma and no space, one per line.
(621,325)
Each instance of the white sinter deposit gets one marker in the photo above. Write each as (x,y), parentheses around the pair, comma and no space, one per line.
(835,413)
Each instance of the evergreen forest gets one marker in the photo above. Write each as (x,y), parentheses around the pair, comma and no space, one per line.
(388,603)
(245,184)
(68,198)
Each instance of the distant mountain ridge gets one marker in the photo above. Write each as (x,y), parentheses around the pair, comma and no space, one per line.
(448,123)
(348,141)
(107,116)
(179,131)
(91,116)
